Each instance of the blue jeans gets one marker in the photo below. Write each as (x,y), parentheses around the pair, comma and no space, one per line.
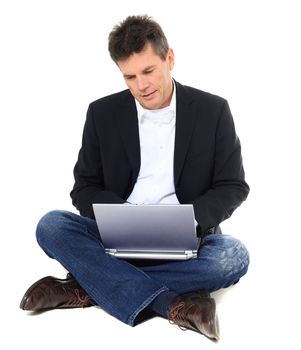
(123,289)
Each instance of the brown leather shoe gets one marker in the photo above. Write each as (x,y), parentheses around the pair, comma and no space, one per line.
(195,311)
(54,293)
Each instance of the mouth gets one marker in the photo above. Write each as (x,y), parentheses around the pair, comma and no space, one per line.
(147,96)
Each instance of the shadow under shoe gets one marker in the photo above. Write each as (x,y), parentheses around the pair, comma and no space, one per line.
(195,311)
(54,293)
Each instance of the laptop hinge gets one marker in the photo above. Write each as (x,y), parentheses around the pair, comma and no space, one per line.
(185,255)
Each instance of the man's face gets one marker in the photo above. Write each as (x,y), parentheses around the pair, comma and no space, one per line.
(148,77)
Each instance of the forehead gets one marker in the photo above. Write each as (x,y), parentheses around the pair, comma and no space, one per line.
(140,61)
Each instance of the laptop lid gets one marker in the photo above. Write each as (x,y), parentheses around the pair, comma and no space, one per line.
(148,231)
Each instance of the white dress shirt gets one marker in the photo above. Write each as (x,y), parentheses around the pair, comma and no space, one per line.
(155,182)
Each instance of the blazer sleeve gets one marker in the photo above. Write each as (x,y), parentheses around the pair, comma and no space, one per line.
(228,187)
(88,172)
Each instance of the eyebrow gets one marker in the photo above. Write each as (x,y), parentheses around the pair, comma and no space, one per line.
(144,71)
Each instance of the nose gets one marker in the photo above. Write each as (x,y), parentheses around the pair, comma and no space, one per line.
(142,83)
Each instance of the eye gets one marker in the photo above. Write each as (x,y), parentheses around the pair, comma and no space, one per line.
(149,71)
(129,77)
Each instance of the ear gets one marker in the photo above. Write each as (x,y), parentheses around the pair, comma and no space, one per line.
(170,59)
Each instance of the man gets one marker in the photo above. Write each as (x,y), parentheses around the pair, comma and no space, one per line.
(157,142)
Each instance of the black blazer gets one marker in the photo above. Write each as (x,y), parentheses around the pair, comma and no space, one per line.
(208,170)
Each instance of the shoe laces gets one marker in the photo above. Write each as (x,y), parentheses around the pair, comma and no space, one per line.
(78,298)
(177,317)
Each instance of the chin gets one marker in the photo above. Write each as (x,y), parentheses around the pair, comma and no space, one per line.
(148,106)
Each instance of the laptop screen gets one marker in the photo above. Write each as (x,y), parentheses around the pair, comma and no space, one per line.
(147,230)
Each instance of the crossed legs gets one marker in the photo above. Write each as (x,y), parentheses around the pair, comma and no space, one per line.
(125,290)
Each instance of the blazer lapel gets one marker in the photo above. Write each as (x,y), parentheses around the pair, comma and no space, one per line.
(185,121)
(127,122)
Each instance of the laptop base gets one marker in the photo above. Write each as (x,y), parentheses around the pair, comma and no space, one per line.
(148,255)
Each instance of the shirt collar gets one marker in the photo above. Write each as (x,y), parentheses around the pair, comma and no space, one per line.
(172,107)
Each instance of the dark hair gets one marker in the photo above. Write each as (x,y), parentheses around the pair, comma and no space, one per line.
(131,35)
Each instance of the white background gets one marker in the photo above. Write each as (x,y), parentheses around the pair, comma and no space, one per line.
(54,62)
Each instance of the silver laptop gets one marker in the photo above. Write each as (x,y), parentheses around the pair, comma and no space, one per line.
(132,231)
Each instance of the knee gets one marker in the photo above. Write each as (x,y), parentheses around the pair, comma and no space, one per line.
(235,260)
(47,228)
